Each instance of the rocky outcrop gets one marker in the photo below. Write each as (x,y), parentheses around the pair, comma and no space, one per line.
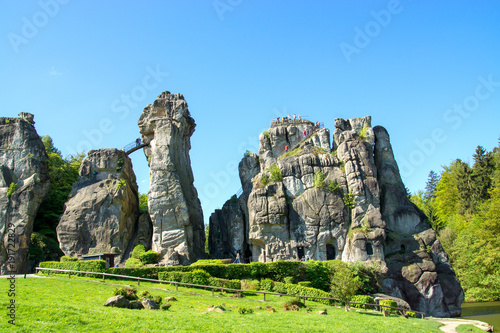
(342,202)
(418,267)
(24,183)
(101,215)
(174,207)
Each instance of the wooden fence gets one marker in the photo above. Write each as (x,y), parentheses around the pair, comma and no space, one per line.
(264,293)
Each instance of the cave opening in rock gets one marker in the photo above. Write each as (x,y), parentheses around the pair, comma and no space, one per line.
(369,249)
(300,252)
(330,252)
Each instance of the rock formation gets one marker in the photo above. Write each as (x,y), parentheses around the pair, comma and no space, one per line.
(341,201)
(174,207)
(101,214)
(24,183)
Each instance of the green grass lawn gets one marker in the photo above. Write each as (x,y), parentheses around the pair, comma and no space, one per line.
(59,304)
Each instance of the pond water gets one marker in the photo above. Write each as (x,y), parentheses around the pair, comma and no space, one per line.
(488,312)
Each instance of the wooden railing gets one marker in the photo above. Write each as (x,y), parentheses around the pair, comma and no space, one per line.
(377,307)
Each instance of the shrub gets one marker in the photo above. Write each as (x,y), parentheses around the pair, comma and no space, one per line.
(333,187)
(139,249)
(68,258)
(247,153)
(318,272)
(266,134)
(319,179)
(150,257)
(295,289)
(278,270)
(165,306)
(264,180)
(361,299)
(216,282)
(349,200)
(128,293)
(199,276)
(306,284)
(133,263)
(12,189)
(367,276)
(295,301)
(279,288)
(388,302)
(207,262)
(266,284)
(145,294)
(158,299)
(288,280)
(79,265)
(171,276)
(362,132)
(275,173)
(233,284)
(250,285)
(411,314)
(244,310)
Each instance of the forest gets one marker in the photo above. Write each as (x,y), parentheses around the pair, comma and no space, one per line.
(462,203)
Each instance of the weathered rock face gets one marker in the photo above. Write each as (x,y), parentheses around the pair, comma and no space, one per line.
(418,267)
(174,207)
(101,214)
(24,183)
(345,203)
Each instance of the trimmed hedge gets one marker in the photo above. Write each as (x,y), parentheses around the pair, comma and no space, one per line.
(79,265)
(388,302)
(198,277)
(362,299)
(295,289)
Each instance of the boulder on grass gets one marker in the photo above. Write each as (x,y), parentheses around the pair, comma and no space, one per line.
(136,305)
(149,304)
(118,301)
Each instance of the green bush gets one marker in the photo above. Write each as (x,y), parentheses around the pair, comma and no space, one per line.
(233,284)
(411,314)
(333,187)
(362,299)
(368,278)
(68,258)
(165,306)
(245,310)
(79,265)
(275,173)
(295,289)
(348,200)
(171,276)
(216,282)
(145,294)
(128,293)
(388,302)
(199,276)
(12,189)
(266,284)
(143,272)
(133,263)
(295,301)
(318,272)
(158,299)
(139,249)
(306,284)
(264,180)
(279,287)
(278,270)
(289,280)
(250,284)
(319,179)
(150,257)
(207,262)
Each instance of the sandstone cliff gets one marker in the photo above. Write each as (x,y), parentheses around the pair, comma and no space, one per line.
(101,214)
(24,183)
(174,207)
(342,200)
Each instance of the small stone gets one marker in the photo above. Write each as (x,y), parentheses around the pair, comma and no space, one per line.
(118,301)
(149,304)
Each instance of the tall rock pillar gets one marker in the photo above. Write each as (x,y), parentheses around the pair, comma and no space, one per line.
(174,207)
(24,183)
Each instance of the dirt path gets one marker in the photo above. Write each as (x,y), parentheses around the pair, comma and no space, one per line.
(450,325)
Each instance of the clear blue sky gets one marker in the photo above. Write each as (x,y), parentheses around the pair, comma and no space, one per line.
(428,71)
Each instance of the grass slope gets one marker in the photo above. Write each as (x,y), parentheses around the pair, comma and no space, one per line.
(59,304)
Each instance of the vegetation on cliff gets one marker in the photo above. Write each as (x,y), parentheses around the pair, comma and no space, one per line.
(63,173)
(462,204)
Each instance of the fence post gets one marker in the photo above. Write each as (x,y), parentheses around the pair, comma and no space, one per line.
(103,277)
(212,291)
(264,297)
(176,287)
(138,282)
(69,275)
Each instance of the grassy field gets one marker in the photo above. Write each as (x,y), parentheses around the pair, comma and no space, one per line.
(59,304)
